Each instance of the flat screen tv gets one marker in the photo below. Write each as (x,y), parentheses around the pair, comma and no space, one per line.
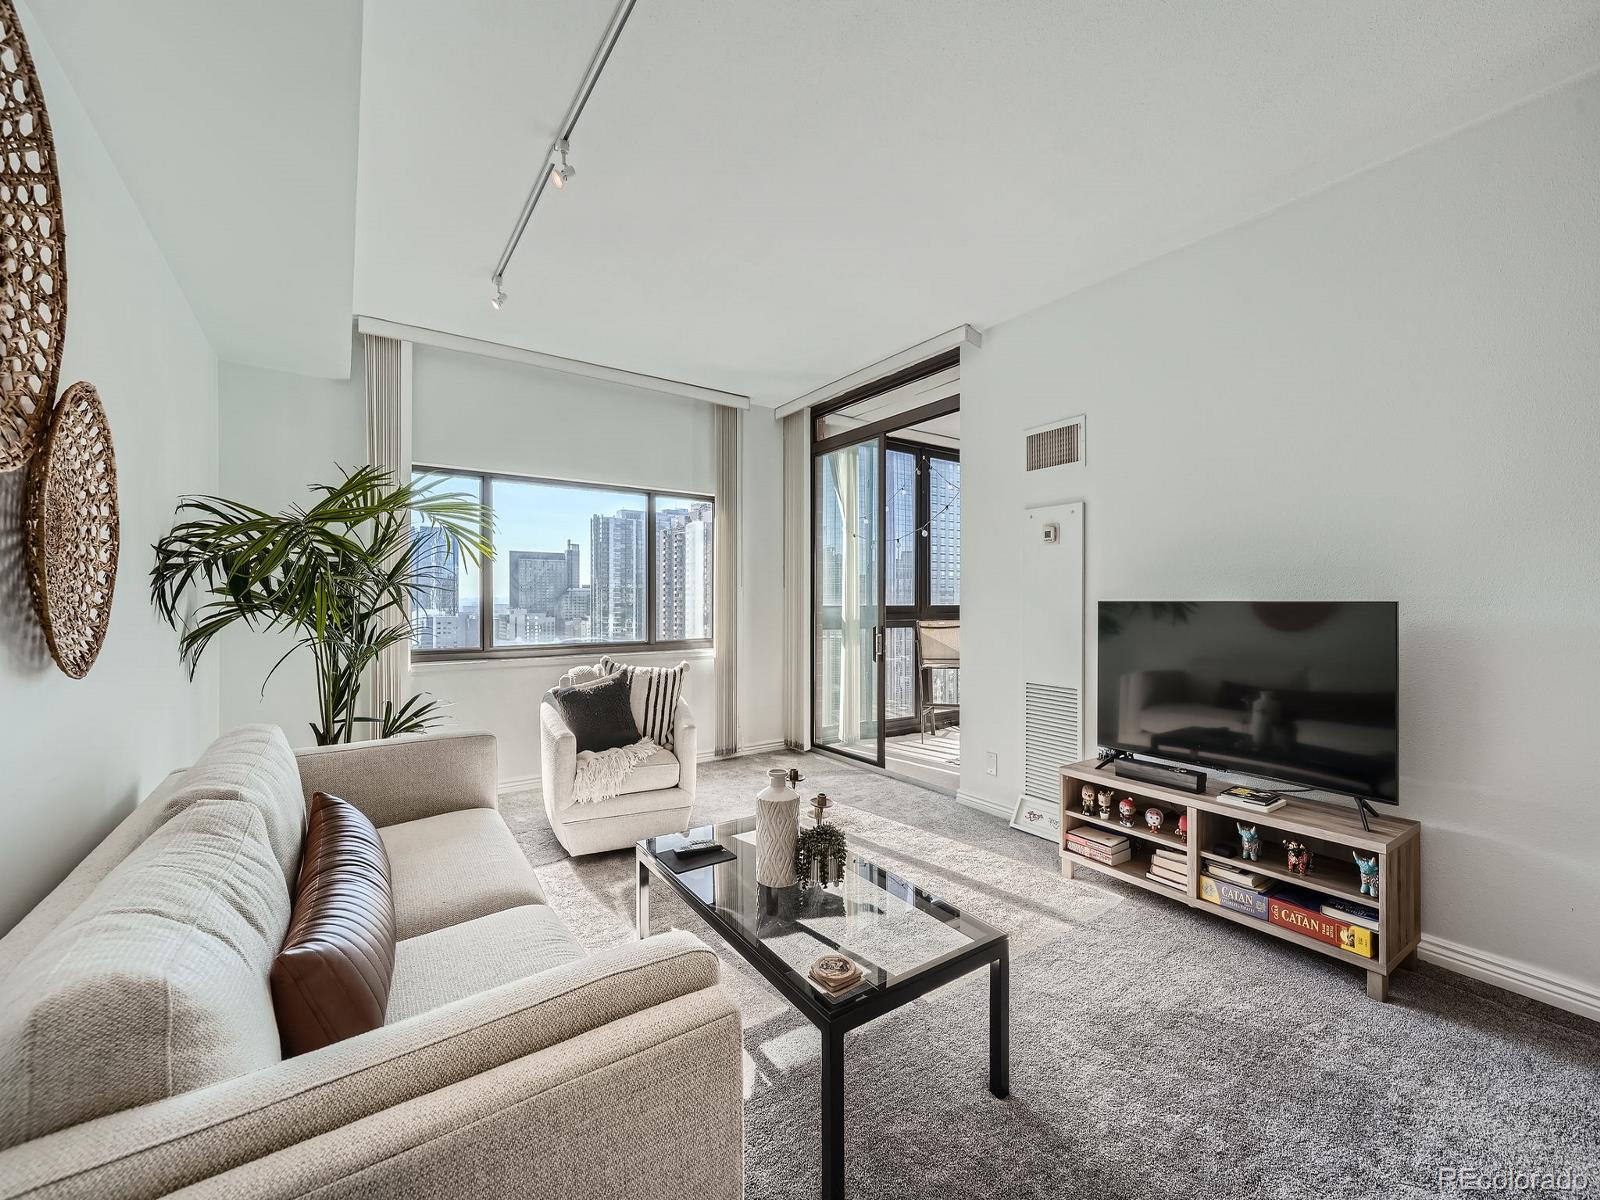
(1300,693)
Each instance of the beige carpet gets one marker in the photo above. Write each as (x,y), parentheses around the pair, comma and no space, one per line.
(1155,1052)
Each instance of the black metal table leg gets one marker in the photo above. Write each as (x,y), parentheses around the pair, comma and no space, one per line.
(833,1114)
(1000,1024)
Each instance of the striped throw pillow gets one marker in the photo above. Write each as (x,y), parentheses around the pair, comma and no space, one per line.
(654,692)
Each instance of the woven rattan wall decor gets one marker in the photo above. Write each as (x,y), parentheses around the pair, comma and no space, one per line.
(73,529)
(33,249)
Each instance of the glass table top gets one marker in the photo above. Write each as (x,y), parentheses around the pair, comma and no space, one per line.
(891,928)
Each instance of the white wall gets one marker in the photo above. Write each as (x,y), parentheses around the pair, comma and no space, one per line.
(282,431)
(79,755)
(1387,390)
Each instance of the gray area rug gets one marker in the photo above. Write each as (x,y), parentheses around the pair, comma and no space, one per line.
(1155,1052)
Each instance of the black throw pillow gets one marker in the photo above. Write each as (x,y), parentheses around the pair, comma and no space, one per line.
(598,713)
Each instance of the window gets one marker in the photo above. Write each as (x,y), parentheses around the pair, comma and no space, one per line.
(574,565)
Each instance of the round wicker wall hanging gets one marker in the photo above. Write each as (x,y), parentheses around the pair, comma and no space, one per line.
(73,529)
(33,248)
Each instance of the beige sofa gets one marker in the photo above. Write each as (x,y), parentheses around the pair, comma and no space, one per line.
(656,799)
(138,1054)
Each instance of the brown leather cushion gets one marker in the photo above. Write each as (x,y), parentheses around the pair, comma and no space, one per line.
(331,979)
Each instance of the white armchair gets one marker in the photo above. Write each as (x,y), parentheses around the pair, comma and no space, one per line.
(655,800)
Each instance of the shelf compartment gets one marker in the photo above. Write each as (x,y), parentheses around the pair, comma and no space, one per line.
(1138,830)
(1133,871)
(1378,965)
(1328,876)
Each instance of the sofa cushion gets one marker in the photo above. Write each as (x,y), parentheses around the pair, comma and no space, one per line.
(448,964)
(454,867)
(155,985)
(331,979)
(598,713)
(252,763)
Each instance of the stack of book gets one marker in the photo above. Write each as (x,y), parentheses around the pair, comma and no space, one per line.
(1240,875)
(1169,867)
(1099,845)
(1351,912)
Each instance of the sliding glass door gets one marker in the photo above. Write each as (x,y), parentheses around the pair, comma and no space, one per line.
(848,646)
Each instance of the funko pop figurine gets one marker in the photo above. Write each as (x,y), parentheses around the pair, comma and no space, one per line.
(1249,842)
(1369,874)
(1299,857)
(1183,827)
(1086,798)
(1104,797)
(1125,810)
(1154,819)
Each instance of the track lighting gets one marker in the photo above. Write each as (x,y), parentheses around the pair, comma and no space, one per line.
(499,295)
(559,175)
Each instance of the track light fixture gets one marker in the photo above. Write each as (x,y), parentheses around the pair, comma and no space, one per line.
(562,173)
(558,172)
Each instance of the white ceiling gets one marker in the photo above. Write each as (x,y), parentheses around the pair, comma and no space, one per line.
(234,125)
(768,195)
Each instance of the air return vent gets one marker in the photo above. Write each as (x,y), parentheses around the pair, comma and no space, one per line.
(1059,445)
(1050,737)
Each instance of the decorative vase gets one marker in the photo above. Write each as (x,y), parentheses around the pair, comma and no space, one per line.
(777,829)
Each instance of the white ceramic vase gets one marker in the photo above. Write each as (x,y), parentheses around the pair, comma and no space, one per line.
(777,830)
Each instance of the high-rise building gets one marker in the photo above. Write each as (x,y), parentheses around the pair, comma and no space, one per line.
(684,545)
(438,564)
(617,576)
(539,578)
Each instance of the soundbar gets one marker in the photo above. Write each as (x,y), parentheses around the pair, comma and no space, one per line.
(1179,779)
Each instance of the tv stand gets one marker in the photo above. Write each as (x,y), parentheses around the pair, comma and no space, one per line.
(1329,830)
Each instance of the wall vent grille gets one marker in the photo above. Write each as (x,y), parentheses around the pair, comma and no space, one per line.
(1057,446)
(1051,737)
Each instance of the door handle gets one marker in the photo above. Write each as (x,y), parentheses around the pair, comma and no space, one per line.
(877,643)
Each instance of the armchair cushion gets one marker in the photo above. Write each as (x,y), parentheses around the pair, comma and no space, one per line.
(654,695)
(599,713)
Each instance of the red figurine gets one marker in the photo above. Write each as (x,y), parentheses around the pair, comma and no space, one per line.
(1299,857)
(1125,810)
(1183,827)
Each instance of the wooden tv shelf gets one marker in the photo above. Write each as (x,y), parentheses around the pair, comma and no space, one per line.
(1331,832)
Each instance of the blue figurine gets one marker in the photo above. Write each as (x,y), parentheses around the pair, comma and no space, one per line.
(1249,842)
(1369,874)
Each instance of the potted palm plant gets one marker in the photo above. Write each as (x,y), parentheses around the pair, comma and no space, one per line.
(340,574)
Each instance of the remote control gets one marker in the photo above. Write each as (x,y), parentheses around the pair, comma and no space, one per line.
(703,846)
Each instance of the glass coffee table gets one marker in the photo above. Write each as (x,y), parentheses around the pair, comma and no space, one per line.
(905,941)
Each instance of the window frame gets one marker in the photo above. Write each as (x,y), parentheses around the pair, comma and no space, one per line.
(487,650)
(906,616)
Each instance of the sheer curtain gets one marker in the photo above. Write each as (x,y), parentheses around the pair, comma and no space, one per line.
(796,582)
(388,389)
(725,617)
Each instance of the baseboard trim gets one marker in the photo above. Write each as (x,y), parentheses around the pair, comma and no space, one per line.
(994,808)
(525,783)
(1559,991)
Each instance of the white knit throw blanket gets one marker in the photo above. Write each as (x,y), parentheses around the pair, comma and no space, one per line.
(602,773)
